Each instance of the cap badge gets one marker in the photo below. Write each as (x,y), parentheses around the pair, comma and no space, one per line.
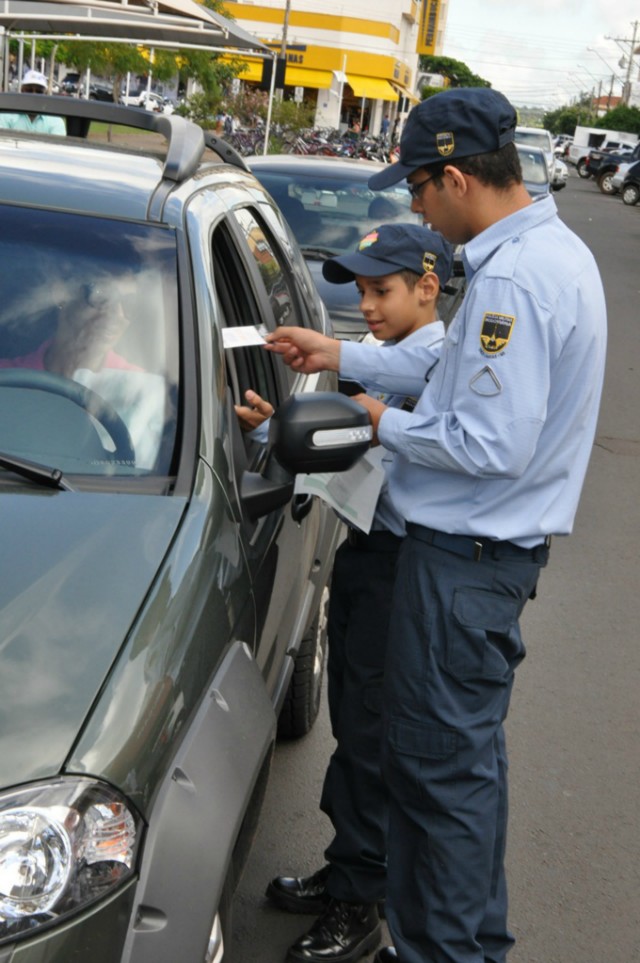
(368,240)
(496,331)
(445,143)
(429,262)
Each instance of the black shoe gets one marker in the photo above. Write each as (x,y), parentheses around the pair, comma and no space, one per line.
(344,933)
(386,955)
(301,894)
(305,894)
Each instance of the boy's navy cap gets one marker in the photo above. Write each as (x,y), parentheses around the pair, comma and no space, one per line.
(391,248)
(459,122)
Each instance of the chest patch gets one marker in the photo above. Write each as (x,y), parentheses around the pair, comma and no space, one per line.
(496,331)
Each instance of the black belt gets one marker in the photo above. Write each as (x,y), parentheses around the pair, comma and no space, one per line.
(478,548)
(381,541)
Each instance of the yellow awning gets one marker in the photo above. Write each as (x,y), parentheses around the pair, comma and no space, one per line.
(372,87)
(306,77)
(253,73)
(294,76)
(405,92)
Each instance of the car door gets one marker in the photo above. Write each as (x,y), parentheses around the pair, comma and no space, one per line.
(256,286)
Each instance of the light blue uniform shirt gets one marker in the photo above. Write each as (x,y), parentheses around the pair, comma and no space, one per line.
(425,343)
(500,439)
(41,123)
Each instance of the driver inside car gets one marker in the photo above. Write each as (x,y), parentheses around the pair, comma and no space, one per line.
(91,321)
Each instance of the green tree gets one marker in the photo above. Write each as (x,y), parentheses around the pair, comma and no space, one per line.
(565,119)
(456,73)
(621,118)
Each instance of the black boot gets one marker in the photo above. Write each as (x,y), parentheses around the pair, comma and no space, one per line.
(300,894)
(344,933)
(386,955)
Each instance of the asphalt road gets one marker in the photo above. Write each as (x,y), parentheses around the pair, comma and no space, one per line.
(574,727)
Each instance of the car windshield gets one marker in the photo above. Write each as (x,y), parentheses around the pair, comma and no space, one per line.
(89,348)
(534,168)
(534,138)
(332,212)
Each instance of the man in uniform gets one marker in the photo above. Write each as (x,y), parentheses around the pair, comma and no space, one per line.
(487,467)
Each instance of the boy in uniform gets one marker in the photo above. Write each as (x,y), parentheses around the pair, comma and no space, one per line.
(399,270)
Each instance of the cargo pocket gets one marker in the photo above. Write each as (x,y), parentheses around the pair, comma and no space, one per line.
(419,754)
(484,638)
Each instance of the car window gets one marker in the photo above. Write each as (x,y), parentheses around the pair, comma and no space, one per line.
(333,212)
(262,249)
(534,138)
(534,168)
(239,305)
(89,348)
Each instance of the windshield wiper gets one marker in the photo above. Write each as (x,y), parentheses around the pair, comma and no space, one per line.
(41,474)
(319,253)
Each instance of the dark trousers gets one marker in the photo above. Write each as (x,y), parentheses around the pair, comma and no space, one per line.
(454,644)
(354,796)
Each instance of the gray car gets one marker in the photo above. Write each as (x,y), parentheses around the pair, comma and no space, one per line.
(163,590)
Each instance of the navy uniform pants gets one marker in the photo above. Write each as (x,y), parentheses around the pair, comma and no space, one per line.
(454,644)
(354,796)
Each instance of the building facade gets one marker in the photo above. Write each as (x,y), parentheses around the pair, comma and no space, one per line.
(354,66)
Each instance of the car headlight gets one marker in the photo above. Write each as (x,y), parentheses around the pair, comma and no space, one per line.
(63,844)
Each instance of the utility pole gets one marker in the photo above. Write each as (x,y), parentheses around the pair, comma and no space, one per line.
(620,40)
(283,45)
(285,29)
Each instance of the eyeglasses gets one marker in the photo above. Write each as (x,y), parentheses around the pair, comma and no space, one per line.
(416,189)
(28,89)
(94,295)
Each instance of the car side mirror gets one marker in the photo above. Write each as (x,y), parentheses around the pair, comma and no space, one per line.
(325,431)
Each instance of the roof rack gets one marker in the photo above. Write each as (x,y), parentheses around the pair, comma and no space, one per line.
(185,140)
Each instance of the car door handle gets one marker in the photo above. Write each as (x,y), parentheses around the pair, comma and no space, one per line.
(301,506)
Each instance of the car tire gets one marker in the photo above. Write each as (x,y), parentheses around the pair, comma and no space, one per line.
(605,182)
(302,701)
(631,194)
(582,169)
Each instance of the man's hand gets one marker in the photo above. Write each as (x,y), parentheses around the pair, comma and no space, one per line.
(376,410)
(304,350)
(255,412)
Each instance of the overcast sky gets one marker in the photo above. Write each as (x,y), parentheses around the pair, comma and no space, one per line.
(536,52)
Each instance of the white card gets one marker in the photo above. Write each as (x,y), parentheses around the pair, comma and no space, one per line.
(243,337)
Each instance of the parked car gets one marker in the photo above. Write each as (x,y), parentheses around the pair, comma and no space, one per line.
(560,174)
(535,172)
(630,189)
(579,152)
(101,92)
(538,137)
(618,177)
(330,207)
(98,90)
(163,594)
(603,164)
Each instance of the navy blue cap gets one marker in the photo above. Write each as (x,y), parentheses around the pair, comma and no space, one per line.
(458,122)
(391,248)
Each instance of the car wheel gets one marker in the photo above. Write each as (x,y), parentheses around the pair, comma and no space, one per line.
(605,182)
(582,169)
(631,194)
(302,701)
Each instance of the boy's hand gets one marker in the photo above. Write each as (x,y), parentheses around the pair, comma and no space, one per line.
(306,351)
(376,410)
(255,412)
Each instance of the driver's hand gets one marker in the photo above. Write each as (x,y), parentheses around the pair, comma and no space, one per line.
(255,412)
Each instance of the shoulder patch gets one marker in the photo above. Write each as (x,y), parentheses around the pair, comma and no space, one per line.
(496,331)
